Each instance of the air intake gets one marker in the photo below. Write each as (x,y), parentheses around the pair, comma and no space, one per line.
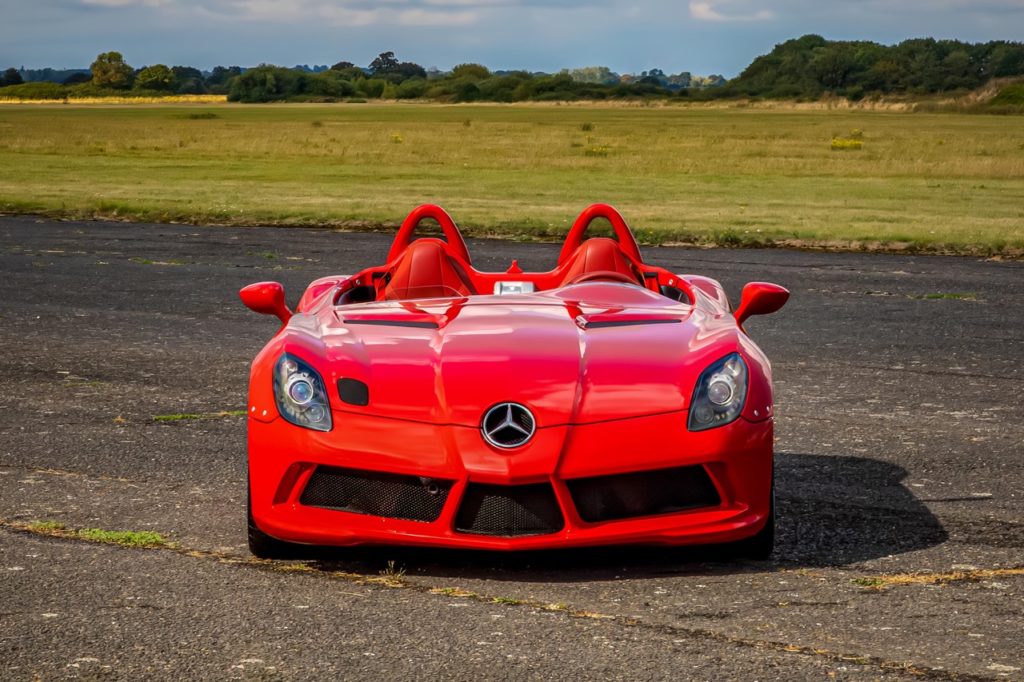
(646,493)
(366,492)
(509,510)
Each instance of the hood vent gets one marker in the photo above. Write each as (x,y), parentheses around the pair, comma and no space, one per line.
(600,320)
(384,322)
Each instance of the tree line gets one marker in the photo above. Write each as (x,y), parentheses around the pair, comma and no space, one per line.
(386,77)
(804,68)
(810,66)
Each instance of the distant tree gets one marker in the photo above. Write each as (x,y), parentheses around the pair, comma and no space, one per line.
(77,79)
(110,71)
(11,77)
(681,80)
(341,66)
(411,88)
(156,77)
(266,83)
(601,75)
(467,92)
(1006,59)
(833,65)
(221,74)
(471,71)
(188,80)
(328,85)
(384,64)
(654,77)
(407,70)
(217,82)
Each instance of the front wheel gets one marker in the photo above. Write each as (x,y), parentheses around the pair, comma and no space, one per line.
(262,545)
(759,546)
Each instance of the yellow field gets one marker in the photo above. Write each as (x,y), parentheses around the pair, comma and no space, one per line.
(163,99)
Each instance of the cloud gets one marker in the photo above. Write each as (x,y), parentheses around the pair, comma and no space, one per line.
(124,3)
(722,10)
(341,13)
(422,17)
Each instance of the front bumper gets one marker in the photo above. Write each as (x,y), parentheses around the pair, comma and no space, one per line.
(737,459)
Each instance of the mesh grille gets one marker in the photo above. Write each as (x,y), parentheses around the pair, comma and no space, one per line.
(364,492)
(664,491)
(509,510)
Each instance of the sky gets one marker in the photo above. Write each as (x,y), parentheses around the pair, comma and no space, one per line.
(700,36)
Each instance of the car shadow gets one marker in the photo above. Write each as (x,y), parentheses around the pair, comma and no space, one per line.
(832,510)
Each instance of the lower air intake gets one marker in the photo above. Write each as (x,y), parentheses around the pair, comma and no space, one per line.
(509,510)
(646,493)
(364,492)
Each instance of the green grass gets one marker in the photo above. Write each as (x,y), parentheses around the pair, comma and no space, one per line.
(45,527)
(740,177)
(125,538)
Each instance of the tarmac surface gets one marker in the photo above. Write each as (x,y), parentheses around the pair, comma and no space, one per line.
(900,459)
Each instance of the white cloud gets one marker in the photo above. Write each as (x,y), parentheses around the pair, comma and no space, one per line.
(724,10)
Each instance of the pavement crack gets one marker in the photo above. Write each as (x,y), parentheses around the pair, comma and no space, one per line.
(397,580)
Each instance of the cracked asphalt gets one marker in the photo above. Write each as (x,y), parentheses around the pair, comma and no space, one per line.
(900,435)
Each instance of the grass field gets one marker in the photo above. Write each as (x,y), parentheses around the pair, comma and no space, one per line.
(935,182)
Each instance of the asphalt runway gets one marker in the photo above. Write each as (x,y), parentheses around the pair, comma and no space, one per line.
(900,441)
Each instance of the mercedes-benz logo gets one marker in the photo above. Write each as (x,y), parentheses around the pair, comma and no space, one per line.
(508,425)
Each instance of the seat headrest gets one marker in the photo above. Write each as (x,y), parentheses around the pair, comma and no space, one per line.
(598,254)
(426,269)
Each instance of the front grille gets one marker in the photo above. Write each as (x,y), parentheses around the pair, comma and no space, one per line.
(364,492)
(509,510)
(623,496)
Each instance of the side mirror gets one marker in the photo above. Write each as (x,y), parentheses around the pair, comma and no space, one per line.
(760,298)
(266,298)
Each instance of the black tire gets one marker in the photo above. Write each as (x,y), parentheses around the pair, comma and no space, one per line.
(759,546)
(262,545)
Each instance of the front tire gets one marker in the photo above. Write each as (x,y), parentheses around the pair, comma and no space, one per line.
(759,547)
(261,545)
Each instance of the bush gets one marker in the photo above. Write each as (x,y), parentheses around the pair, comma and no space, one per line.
(467,92)
(156,77)
(40,90)
(266,84)
(413,88)
(371,87)
(328,84)
(1011,95)
(471,71)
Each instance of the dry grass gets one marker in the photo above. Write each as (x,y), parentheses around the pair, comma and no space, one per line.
(168,99)
(966,575)
(729,176)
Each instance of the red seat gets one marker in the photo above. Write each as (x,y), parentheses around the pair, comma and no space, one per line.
(426,270)
(599,254)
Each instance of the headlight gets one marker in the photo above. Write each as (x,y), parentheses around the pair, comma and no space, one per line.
(719,395)
(300,394)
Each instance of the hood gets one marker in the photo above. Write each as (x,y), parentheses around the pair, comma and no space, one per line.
(588,353)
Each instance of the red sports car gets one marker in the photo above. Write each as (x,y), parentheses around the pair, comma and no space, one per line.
(424,402)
